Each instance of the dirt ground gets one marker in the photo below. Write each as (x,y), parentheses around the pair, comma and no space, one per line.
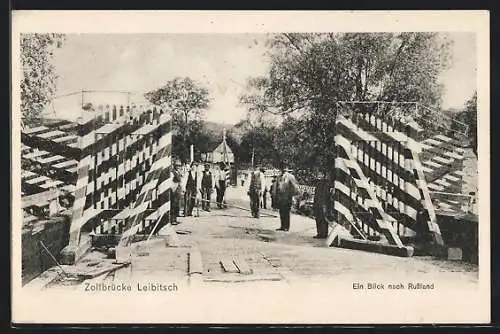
(286,257)
(274,257)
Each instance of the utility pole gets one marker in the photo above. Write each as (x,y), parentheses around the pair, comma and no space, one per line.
(225,157)
(251,121)
(253,146)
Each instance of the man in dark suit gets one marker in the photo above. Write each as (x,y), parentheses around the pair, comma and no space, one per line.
(176,194)
(255,192)
(286,188)
(272,193)
(322,206)
(191,191)
(207,185)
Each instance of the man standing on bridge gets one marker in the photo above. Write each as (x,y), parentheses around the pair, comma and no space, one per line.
(176,194)
(255,190)
(272,192)
(220,184)
(190,186)
(286,188)
(207,184)
(265,190)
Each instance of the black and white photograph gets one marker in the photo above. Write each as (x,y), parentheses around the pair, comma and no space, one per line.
(282,168)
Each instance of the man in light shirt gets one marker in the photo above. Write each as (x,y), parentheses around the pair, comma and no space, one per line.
(286,189)
(220,184)
(265,190)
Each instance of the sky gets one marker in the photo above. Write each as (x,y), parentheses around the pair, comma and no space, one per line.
(222,62)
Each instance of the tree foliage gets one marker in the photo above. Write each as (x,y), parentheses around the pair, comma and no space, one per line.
(186,100)
(469,116)
(311,73)
(38,77)
(258,140)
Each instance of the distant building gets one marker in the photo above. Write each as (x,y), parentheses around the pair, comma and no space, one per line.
(220,153)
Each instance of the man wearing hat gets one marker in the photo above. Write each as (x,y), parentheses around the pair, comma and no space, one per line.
(265,189)
(176,193)
(190,186)
(207,184)
(272,192)
(286,188)
(220,184)
(255,190)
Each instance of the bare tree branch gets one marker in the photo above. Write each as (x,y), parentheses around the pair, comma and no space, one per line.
(292,42)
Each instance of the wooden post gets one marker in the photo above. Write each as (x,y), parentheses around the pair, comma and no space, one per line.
(94,171)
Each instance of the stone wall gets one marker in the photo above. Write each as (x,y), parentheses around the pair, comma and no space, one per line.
(54,234)
(460,233)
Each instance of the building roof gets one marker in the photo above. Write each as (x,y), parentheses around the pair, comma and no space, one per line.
(223,146)
(216,145)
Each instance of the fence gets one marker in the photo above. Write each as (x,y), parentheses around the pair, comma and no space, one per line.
(107,156)
(454,203)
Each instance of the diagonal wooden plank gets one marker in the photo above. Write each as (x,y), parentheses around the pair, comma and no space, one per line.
(242,266)
(103,270)
(228,265)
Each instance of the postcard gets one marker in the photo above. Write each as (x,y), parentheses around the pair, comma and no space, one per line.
(244,167)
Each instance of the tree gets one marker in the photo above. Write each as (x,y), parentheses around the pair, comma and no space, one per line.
(181,147)
(311,73)
(234,145)
(258,141)
(186,100)
(38,77)
(88,106)
(469,117)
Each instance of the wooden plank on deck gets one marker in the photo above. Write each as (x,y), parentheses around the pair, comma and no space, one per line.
(228,265)
(376,247)
(242,265)
(236,278)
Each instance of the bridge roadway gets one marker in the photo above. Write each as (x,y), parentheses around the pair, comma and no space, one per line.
(275,257)
(282,257)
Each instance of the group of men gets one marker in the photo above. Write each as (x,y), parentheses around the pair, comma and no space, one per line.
(195,184)
(282,190)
